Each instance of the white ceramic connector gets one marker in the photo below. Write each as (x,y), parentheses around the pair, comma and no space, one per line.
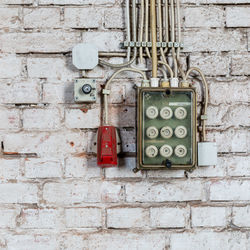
(174,82)
(207,154)
(154,82)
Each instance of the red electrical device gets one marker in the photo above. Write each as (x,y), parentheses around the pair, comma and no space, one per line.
(106,146)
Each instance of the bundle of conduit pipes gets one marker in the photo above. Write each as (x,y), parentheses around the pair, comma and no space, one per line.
(156,38)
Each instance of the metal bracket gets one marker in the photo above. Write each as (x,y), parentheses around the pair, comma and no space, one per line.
(144,44)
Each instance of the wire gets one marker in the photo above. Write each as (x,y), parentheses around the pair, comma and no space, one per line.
(205,89)
(102,62)
(146,26)
(108,83)
(168,67)
(141,30)
(154,38)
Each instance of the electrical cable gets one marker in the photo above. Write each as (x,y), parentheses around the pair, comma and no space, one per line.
(108,83)
(205,102)
(146,26)
(153,37)
(141,26)
(102,62)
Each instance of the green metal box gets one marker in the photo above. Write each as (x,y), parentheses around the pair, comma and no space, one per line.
(166,128)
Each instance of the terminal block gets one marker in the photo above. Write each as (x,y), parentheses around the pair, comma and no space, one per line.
(166,130)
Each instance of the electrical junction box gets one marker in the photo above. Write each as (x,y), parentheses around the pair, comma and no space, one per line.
(207,154)
(166,129)
(85,90)
(85,56)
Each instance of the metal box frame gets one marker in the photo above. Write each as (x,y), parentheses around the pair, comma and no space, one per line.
(140,165)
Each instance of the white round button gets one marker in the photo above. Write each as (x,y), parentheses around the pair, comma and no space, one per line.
(166,132)
(166,113)
(166,151)
(180,132)
(152,132)
(151,151)
(180,113)
(180,151)
(152,112)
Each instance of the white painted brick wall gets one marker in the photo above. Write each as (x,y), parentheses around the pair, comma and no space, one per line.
(83,217)
(168,217)
(209,216)
(127,217)
(41,18)
(52,193)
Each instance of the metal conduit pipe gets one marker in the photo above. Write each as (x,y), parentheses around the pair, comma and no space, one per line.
(154,38)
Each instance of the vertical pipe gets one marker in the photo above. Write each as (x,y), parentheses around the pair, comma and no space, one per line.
(141,30)
(146,26)
(173,38)
(154,38)
(128,27)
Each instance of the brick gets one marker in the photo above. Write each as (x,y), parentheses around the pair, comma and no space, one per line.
(90,217)
(45,119)
(78,167)
(7,218)
(10,119)
(153,192)
(240,65)
(51,42)
(211,171)
(241,216)
(122,116)
(128,139)
(230,140)
(209,216)
(42,168)
(46,144)
(127,217)
(18,193)
(9,169)
(39,218)
(238,16)
(237,165)
(239,91)
(230,190)
(204,17)
(216,115)
(58,93)
(214,40)
(211,65)
(117,94)
(107,41)
(9,18)
(19,92)
(165,174)
(112,14)
(208,240)
(168,217)
(51,68)
(10,66)
(215,1)
(235,116)
(32,241)
(41,18)
(82,192)
(80,17)
(126,240)
(76,2)
(76,118)
(17,1)
(124,169)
